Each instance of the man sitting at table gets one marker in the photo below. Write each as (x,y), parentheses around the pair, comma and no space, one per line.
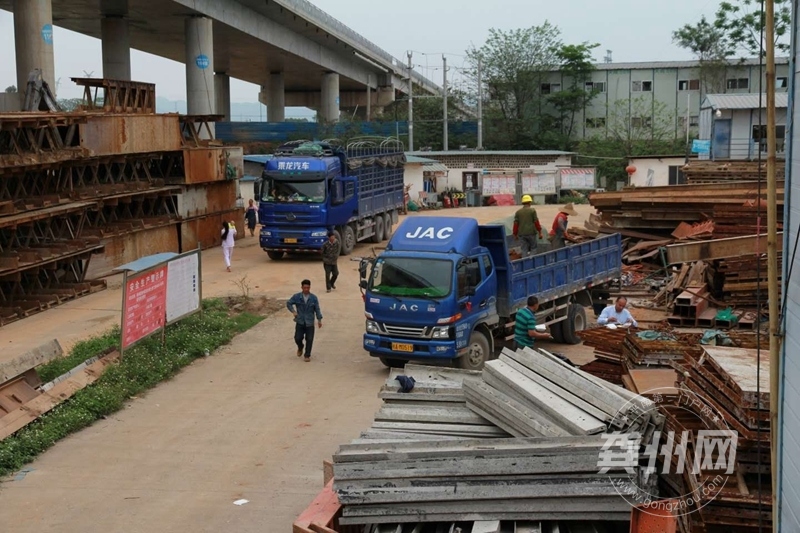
(617,314)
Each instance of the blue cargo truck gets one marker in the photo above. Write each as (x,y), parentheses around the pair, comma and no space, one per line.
(310,188)
(445,289)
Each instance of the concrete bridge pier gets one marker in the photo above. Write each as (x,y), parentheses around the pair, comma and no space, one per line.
(329,104)
(200,93)
(116,44)
(33,42)
(276,97)
(222,91)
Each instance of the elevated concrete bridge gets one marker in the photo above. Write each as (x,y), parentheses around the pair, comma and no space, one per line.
(298,54)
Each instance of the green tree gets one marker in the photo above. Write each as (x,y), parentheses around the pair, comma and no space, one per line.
(639,123)
(514,65)
(741,22)
(712,49)
(11,89)
(576,67)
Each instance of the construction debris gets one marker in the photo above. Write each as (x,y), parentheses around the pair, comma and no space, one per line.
(699,171)
(23,398)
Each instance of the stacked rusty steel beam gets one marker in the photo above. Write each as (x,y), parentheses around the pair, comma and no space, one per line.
(607,344)
(699,172)
(82,193)
(722,391)
(656,212)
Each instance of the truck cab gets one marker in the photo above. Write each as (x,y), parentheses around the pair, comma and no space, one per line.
(432,294)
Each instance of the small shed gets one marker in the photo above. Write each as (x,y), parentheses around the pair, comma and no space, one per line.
(657,170)
(736,125)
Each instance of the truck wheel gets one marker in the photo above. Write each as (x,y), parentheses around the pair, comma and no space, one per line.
(557,331)
(378,227)
(392,363)
(478,352)
(276,256)
(387,226)
(348,240)
(575,322)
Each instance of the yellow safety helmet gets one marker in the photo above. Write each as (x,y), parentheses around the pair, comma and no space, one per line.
(527,199)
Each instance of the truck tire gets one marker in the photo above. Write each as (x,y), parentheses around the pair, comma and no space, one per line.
(276,256)
(478,352)
(557,331)
(348,240)
(387,226)
(378,227)
(575,322)
(392,363)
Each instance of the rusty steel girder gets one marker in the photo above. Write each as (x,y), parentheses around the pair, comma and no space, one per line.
(117,96)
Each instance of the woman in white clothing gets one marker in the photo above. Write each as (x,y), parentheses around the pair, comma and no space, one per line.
(228,241)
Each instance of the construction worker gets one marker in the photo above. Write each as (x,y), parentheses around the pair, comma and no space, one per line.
(558,233)
(525,333)
(526,226)
(617,314)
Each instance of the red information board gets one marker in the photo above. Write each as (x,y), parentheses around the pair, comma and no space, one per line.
(145,305)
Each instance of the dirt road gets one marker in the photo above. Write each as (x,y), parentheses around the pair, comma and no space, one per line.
(252,422)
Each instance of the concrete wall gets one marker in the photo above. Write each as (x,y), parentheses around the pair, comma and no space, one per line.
(788,489)
(413,176)
(652,172)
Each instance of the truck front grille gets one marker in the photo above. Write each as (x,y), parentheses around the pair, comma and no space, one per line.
(406,331)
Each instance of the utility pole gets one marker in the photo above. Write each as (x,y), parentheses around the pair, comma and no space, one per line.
(480,105)
(688,117)
(369,97)
(772,254)
(444,99)
(410,106)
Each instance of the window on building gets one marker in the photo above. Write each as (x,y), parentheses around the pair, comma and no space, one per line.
(738,83)
(641,86)
(689,85)
(760,136)
(641,122)
(694,121)
(676,176)
(599,122)
(550,88)
(781,83)
(596,86)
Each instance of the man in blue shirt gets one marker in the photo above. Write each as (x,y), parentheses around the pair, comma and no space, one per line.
(304,306)
(525,328)
(617,314)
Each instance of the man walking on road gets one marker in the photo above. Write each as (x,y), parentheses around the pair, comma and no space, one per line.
(526,226)
(305,307)
(330,257)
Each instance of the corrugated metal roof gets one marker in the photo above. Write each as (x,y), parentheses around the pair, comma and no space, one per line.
(743,101)
(474,153)
(419,160)
(435,167)
(647,65)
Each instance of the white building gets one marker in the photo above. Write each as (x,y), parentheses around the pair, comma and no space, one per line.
(736,125)
(657,170)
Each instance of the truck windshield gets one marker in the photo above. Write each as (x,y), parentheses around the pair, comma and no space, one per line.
(399,276)
(281,191)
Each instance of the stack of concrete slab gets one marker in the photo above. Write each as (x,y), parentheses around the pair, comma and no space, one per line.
(435,409)
(465,480)
(531,393)
(523,440)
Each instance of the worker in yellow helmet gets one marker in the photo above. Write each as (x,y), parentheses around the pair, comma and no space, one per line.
(527,226)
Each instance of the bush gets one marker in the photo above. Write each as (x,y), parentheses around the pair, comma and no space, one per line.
(143,367)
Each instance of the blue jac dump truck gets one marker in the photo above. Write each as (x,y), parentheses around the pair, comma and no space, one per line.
(309,188)
(445,289)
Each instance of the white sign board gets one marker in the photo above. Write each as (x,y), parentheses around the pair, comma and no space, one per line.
(578,178)
(183,286)
(538,184)
(499,184)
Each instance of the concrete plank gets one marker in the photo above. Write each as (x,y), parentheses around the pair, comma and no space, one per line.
(486,526)
(468,516)
(500,375)
(509,413)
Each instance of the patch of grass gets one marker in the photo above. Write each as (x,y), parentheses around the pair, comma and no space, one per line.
(143,367)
